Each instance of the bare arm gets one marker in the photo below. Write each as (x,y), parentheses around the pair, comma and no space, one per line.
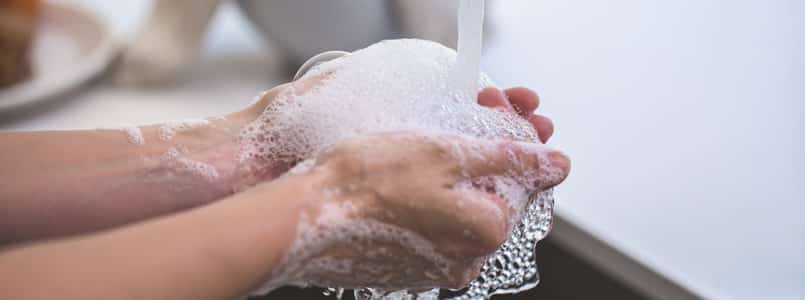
(220,251)
(230,247)
(57,183)
(60,183)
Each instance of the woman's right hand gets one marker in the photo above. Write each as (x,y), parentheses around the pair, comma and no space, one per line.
(405,210)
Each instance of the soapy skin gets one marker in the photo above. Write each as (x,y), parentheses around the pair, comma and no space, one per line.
(367,93)
(203,259)
(415,188)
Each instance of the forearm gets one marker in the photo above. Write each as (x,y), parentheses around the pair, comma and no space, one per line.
(220,251)
(65,182)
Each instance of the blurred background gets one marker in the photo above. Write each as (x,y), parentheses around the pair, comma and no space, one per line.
(684,118)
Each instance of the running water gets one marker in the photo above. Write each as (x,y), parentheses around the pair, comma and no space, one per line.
(470,41)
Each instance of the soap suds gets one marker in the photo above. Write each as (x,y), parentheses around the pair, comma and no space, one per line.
(410,92)
(168,130)
(174,157)
(135,136)
(401,85)
(366,92)
(335,224)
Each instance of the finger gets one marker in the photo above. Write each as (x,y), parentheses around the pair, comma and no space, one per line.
(480,222)
(494,98)
(487,220)
(538,164)
(524,100)
(543,125)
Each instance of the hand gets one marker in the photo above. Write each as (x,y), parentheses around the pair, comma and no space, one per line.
(388,216)
(518,100)
(367,213)
(522,101)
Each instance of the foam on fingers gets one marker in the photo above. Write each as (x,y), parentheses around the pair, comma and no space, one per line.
(403,85)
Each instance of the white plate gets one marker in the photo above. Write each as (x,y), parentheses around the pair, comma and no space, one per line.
(71,47)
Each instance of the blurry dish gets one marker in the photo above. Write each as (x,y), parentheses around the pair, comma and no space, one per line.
(71,46)
(305,28)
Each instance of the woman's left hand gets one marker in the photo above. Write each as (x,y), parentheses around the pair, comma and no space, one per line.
(519,100)
(522,101)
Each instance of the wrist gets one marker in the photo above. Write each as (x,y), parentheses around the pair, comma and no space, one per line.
(195,158)
(219,145)
(267,222)
(245,172)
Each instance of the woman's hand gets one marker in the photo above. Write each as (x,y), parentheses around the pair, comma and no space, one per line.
(394,210)
(518,100)
(407,189)
(386,210)
(368,212)
(522,101)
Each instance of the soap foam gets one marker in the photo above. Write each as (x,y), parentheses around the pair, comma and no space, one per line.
(335,224)
(135,136)
(168,130)
(396,85)
(390,86)
(174,158)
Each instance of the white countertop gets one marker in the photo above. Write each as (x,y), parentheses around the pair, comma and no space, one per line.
(684,120)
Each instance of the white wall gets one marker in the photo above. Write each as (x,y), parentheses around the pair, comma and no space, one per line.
(685,122)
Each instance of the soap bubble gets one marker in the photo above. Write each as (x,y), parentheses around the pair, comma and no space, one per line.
(400,85)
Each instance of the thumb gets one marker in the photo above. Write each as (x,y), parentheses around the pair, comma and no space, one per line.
(542,166)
